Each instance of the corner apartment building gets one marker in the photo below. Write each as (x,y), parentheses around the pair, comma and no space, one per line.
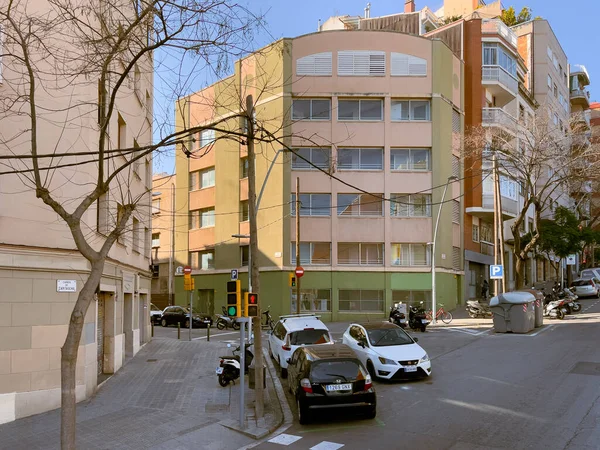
(163,226)
(41,271)
(379,110)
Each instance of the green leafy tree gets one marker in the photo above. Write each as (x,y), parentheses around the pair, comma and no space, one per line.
(510,17)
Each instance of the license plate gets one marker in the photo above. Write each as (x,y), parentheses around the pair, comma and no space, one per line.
(219,370)
(338,387)
(425,321)
(410,368)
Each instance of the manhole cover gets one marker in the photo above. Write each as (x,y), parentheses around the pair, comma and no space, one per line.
(151,360)
(586,368)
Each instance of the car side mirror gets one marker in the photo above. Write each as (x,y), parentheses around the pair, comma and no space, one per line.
(363,343)
(289,360)
(416,339)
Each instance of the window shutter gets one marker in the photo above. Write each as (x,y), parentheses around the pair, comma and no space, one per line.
(455,211)
(456,166)
(361,63)
(456,258)
(318,64)
(407,65)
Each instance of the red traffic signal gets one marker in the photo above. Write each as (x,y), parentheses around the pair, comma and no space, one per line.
(251,304)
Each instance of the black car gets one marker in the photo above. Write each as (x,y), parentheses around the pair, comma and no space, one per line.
(173,315)
(329,376)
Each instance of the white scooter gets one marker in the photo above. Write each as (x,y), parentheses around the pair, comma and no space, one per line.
(555,309)
(229,366)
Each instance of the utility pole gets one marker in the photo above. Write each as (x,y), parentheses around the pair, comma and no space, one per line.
(496,255)
(297,243)
(500,226)
(254,272)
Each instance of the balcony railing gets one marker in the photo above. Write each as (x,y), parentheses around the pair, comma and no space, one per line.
(497,116)
(576,93)
(495,26)
(487,248)
(500,75)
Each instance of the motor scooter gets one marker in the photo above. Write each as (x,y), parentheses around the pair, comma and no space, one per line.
(417,319)
(477,309)
(224,320)
(397,317)
(229,366)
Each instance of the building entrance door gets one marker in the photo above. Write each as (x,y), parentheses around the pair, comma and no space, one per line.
(100,334)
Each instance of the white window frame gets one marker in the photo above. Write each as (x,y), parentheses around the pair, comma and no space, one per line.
(206,172)
(475,233)
(317,64)
(360,119)
(205,216)
(360,164)
(411,255)
(307,210)
(399,207)
(411,118)
(305,166)
(368,200)
(410,165)
(205,138)
(363,63)
(380,262)
(303,259)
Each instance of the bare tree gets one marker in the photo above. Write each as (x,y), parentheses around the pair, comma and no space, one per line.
(542,158)
(67,65)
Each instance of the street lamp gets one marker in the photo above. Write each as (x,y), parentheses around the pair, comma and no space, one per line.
(437,223)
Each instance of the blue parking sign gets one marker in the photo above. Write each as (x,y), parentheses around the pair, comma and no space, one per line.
(496,272)
(234,274)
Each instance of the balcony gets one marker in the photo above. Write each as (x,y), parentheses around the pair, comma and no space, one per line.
(497,117)
(510,208)
(581,73)
(487,248)
(580,97)
(495,26)
(500,83)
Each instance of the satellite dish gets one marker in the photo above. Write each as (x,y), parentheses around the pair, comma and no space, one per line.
(179,270)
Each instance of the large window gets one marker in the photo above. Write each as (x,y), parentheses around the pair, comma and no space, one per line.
(410,205)
(360,109)
(201,179)
(360,254)
(410,159)
(245,255)
(244,211)
(202,260)
(411,255)
(360,159)
(206,137)
(313,300)
(360,204)
(360,300)
(312,204)
(155,240)
(202,218)
(495,55)
(308,158)
(244,167)
(411,110)
(412,298)
(311,109)
(312,253)
(361,62)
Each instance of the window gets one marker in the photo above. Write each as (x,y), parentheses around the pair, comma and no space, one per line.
(137,160)
(207,217)
(363,253)
(410,205)
(555,61)
(244,211)
(312,204)
(549,52)
(403,65)
(560,69)
(313,300)
(244,167)
(495,55)
(455,211)
(410,159)
(456,258)
(137,247)
(360,159)
(120,212)
(456,166)
(319,157)
(555,90)
(361,63)
(475,233)
(317,64)
(156,206)
(555,119)
(549,81)
(155,240)
(360,204)
(203,260)
(311,109)
(201,179)
(411,255)
(486,232)
(147,237)
(121,133)
(312,253)
(245,255)
(360,109)
(137,82)
(360,300)
(206,137)
(508,188)
(412,298)
(411,110)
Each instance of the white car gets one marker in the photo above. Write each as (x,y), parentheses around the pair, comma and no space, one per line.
(387,351)
(295,331)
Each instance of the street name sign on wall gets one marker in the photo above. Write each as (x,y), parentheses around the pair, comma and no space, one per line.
(496,272)
(66,285)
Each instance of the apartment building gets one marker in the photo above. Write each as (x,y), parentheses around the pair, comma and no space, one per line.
(41,271)
(163,226)
(373,110)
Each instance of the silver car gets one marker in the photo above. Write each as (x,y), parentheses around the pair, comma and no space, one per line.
(586,288)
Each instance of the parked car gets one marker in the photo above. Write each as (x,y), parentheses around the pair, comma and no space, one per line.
(586,288)
(592,272)
(329,376)
(155,314)
(172,315)
(387,351)
(293,331)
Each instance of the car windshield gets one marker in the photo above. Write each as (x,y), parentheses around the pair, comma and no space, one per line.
(154,308)
(581,283)
(307,337)
(587,274)
(331,371)
(384,337)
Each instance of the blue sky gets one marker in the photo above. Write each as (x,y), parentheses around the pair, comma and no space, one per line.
(573,24)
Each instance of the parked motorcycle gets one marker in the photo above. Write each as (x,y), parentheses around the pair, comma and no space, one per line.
(397,317)
(224,321)
(417,319)
(555,309)
(477,309)
(229,366)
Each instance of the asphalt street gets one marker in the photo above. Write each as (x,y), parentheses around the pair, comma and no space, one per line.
(487,391)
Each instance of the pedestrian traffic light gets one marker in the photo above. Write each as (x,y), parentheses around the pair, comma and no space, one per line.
(250,304)
(234,298)
(292,279)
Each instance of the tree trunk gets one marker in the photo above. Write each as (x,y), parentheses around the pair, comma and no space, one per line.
(519,279)
(68,363)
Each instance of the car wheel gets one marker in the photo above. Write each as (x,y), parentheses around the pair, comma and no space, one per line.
(371,370)
(163,322)
(371,412)
(302,412)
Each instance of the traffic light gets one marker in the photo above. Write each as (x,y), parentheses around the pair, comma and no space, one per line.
(234,298)
(251,304)
(292,279)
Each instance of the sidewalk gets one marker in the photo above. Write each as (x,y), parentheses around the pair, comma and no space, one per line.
(166,397)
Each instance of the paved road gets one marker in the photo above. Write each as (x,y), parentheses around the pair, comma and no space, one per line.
(488,391)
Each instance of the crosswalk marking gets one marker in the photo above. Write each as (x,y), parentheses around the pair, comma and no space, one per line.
(325,445)
(285,439)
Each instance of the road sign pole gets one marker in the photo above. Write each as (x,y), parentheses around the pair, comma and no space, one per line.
(191,314)
(243,321)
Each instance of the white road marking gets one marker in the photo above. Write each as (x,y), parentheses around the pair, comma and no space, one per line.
(215,335)
(325,445)
(285,439)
